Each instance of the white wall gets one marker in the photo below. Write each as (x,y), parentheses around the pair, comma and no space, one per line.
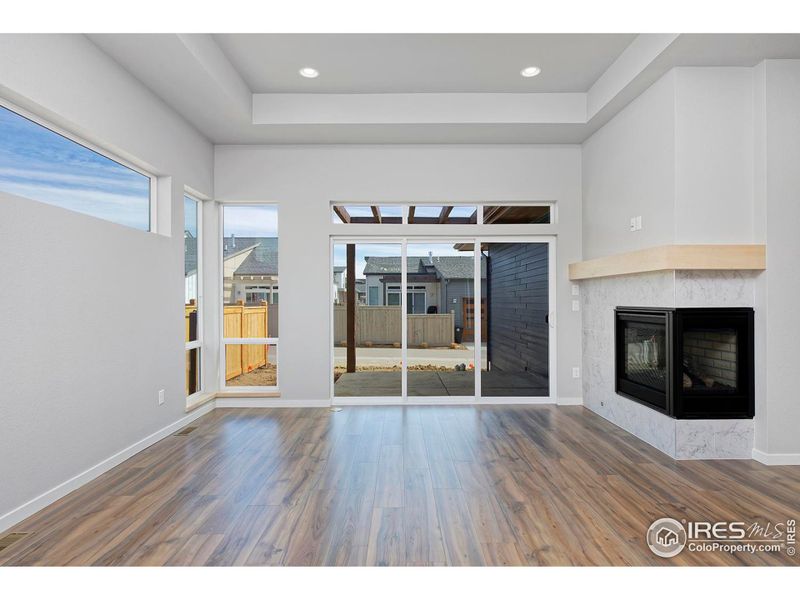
(628,171)
(681,157)
(713,155)
(91,312)
(305,179)
(777,218)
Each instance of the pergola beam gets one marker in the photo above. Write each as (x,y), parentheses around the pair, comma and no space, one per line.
(376,212)
(342,213)
(446,210)
(411,210)
(494,213)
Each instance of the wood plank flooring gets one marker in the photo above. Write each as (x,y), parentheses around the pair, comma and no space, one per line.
(418,485)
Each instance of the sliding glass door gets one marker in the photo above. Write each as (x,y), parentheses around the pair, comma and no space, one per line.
(440,287)
(515,360)
(443,319)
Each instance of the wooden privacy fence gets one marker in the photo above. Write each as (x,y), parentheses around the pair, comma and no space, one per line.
(381,325)
(240,321)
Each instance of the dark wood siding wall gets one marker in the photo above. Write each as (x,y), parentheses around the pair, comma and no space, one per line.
(518,307)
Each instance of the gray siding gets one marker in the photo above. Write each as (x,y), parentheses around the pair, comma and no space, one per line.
(518,306)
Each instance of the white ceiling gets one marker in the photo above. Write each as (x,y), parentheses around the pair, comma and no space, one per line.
(416,88)
(420,63)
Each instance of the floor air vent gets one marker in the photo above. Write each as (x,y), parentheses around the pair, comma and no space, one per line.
(186,431)
(9,539)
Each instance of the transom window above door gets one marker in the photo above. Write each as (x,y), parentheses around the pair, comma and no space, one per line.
(443,214)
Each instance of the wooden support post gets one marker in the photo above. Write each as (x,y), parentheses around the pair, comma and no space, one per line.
(350,302)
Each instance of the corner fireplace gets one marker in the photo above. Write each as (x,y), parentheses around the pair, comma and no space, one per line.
(688,363)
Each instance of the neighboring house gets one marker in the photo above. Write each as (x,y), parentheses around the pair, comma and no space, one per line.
(190,266)
(250,270)
(435,283)
(340,286)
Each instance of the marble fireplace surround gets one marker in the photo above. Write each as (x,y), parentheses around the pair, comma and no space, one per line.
(679,438)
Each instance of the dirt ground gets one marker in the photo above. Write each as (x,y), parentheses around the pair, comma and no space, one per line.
(397,346)
(263,376)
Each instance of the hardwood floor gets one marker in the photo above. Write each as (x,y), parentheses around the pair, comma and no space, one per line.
(511,485)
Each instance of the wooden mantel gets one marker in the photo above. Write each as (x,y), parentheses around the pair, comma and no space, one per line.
(694,257)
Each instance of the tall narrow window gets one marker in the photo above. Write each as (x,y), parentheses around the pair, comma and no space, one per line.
(250,296)
(39,164)
(192,262)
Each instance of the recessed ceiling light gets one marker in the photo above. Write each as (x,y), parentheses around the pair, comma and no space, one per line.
(309,72)
(530,71)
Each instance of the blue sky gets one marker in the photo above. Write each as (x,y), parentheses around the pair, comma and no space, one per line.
(39,164)
(190,215)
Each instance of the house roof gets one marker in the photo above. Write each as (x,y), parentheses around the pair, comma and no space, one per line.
(457,267)
(379,265)
(263,256)
(448,267)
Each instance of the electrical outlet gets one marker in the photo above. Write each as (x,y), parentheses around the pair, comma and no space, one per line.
(639,223)
(576,372)
(576,291)
(160,397)
(576,306)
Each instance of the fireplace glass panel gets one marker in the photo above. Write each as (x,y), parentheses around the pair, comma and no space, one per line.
(645,357)
(710,362)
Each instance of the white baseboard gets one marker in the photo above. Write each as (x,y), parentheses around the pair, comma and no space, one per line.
(776,459)
(270,403)
(33,506)
(576,401)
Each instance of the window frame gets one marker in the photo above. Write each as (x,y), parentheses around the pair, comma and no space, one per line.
(246,390)
(198,343)
(522,228)
(83,142)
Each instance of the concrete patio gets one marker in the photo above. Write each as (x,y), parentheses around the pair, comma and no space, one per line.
(440,383)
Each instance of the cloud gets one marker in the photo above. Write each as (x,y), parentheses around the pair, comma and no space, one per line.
(250,221)
(131,185)
(122,209)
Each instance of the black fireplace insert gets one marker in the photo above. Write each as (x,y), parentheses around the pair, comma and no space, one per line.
(688,363)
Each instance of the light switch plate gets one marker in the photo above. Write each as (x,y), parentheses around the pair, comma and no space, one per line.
(576,306)
(576,372)
(160,397)
(575,289)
